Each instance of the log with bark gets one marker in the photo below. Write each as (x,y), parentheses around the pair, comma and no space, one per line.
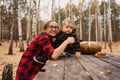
(90,48)
(7,72)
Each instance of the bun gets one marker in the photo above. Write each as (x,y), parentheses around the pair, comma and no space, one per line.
(100,54)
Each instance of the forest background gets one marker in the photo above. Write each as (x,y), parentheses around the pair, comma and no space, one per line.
(22,20)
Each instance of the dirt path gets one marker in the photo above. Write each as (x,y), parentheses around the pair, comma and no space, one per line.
(14,59)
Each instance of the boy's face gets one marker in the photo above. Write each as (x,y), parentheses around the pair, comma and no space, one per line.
(67,28)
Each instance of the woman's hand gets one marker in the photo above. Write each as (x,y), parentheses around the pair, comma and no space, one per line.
(70,40)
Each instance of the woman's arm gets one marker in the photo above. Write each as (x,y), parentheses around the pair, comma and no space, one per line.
(58,51)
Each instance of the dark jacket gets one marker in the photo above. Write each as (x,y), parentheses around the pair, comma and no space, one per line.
(71,48)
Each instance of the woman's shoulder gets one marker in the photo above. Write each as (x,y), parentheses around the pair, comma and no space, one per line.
(41,36)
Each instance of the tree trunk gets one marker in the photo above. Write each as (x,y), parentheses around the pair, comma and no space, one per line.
(80,16)
(105,39)
(59,17)
(34,23)
(96,23)
(7,72)
(38,17)
(99,24)
(109,27)
(28,23)
(10,51)
(15,12)
(21,46)
(52,11)
(89,24)
(0,25)
(70,9)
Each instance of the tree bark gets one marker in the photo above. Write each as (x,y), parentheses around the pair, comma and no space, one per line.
(10,51)
(7,72)
(109,27)
(21,46)
(105,39)
(0,25)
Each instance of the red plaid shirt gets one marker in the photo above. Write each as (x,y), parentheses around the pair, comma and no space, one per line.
(28,68)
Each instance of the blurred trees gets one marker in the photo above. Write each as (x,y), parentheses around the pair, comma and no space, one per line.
(94,21)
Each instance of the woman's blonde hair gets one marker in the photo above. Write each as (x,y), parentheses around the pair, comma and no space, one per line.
(47,24)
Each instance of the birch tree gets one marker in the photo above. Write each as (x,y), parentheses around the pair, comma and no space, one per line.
(38,16)
(11,16)
(80,17)
(21,46)
(34,18)
(52,10)
(70,10)
(115,28)
(28,22)
(105,39)
(1,4)
(89,24)
(59,17)
(109,26)
(10,50)
(98,27)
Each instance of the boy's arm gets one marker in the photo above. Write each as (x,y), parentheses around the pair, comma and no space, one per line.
(58,51)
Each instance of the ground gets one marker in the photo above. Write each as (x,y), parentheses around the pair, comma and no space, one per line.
(15,58)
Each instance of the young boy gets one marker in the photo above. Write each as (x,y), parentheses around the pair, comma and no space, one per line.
(65,32)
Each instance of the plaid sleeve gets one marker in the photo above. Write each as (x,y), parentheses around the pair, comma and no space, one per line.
(46,46)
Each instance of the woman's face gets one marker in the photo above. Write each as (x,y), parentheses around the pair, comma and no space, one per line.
(52,29)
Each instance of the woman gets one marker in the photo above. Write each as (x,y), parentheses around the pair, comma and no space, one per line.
(42,44)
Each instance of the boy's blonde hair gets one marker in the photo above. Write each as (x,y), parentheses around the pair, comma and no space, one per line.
(66,20)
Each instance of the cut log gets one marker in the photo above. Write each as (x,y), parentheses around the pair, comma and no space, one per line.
(90,48)
(7,72)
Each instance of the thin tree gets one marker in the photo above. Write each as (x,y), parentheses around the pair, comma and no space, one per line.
(105,39)
(98,27)
(70,10)
(80,17)
(109,26)
(38,16)
(15,11)
(21,46)
(28,23)
(52,11)
(59,17)
(10,50)
(115,28)
(34,18)
(1,22)
(89,24)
